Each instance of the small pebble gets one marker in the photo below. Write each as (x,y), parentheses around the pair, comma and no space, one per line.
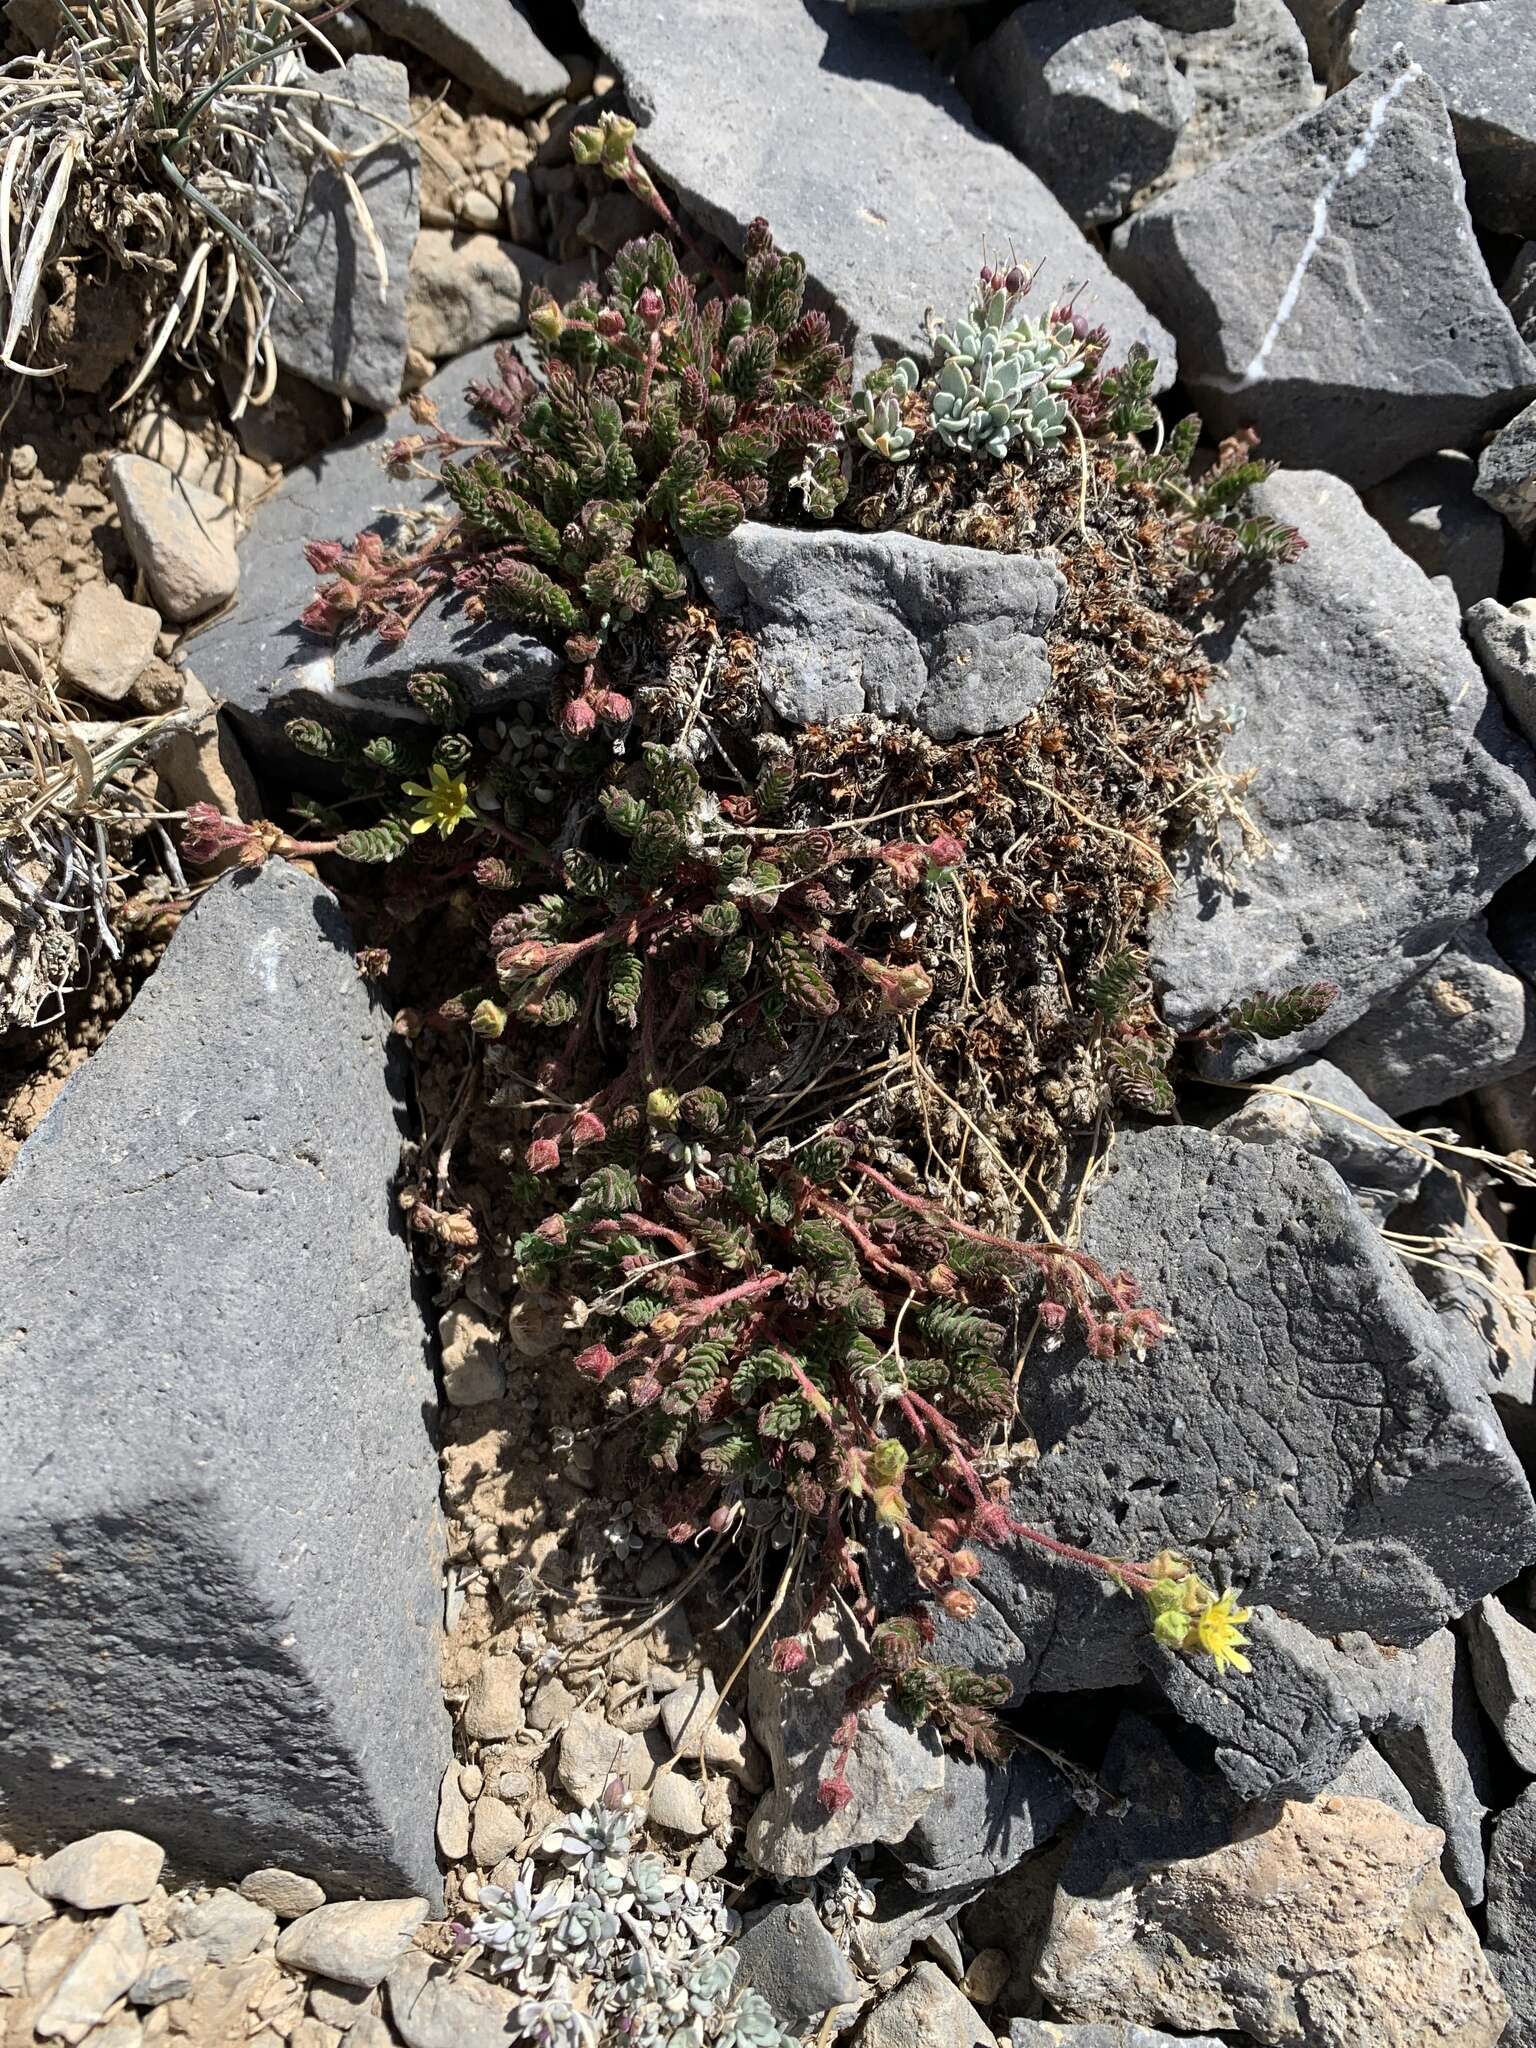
(287,1894)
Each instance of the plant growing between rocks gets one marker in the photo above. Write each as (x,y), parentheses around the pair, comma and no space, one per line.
(790,1045)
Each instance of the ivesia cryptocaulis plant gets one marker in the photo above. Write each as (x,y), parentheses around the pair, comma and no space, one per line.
(770,1027)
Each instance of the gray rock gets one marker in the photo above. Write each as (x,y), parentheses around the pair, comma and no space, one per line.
(1368,1775)
(433,2007)
(356,1941)
(220,1581)
(949,638)
(1189,13)
(1519,293)
(1433,513)
(226,1926)
(1320,1109)
(985,1819)
(788,1956)
(1085,92)
(1309,1419)
(1394,798)
(113,1868)
(1290,1726)
(1293,275)
(1463,1023)
(1505,640)
(1325,1922)
(347,334)
(1506,473)
(1483,58)
(849,141)
(1510,1943)
(169,1972)
(489,45)
(925,2007)
(1503,1648)
(1112,2034)
(902,1919)
(894,1771)
(1249,75)
(466,290)
(1437,1749)
(266,668)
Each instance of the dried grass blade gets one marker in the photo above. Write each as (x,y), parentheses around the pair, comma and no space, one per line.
(40,236)
(196,263)
(368,231)
(19,151)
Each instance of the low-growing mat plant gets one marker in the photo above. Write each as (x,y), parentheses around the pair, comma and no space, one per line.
(767,1059)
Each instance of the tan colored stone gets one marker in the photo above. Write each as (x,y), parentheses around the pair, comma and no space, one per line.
(96,1980)
(113,1868)
(107,641)
(1329,1925)
(494,1707)
(282,1892)
(357,1941)
(181,536)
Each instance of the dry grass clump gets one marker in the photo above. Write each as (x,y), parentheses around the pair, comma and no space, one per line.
(137,147)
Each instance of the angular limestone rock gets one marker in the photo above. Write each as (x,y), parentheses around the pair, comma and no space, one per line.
(1292,275)
(1511,1942)
(1483,58)
(948,638)
(347,331)
(1318,1107)
(219,1573)
(1394,798)
(267,668)
(856,150)
(1464,1023)
(1309,1433)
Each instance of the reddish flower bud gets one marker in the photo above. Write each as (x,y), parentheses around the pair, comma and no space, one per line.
(788,1656)
(595,1363)
(208,834)
(900,988)
(324,556)
(543,1155)
(1053,1315)
(945,850)
(577,717)
(609,324)
(649,307)
(587,1129)
(835,1793)
(958,1602)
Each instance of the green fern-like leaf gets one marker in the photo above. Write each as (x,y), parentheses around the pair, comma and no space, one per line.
(626,981)
(375,844)
(1276,1016)
(1111,990)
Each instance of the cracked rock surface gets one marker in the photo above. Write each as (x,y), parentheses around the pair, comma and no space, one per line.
(948,638)
(221,1569)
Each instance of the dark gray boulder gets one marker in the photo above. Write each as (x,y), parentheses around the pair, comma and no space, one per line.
(1293,275)
(1394,798)
(1249,74)
(1510,1943)
(787,1955)
(1464,1023)
(1084,92)
(857,151)
(220,1574)
(1308,1433)
(346,333)
(1288,1727)
(1506,473)
(1437,1747)
(1320,1109)
(1483,58)
(903,1918)
(1504,638)
(1503,1646)
(490,45)
(266,668)
(948,638)
(1434,514)
(985,1818)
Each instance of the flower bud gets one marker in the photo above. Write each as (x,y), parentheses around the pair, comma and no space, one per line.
(609,324)
(650,307)
(543,1155)
(587,1129)
(488,1019)
(547,321)
(661,1107)
(788,1656)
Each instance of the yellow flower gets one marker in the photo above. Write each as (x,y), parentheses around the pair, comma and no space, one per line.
(445,804)
(1216,1632)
